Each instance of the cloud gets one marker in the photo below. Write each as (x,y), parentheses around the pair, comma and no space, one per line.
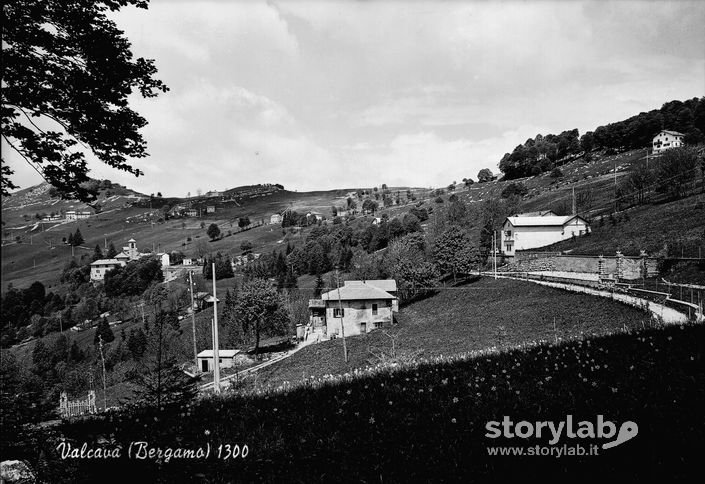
(426,159)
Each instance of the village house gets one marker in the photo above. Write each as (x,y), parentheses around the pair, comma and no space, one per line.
(275,219)
(191,212)
(210,208)
(522,232)
(52,218)
(101,266)
(361,306)
(666,140)
(227,359)
(77,214)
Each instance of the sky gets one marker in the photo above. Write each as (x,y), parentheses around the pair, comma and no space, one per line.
(321,95)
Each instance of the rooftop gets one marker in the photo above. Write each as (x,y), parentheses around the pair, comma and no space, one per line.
(547,220)
(102,262)
(674,133)
(356,292)
(221,353)
(383,284)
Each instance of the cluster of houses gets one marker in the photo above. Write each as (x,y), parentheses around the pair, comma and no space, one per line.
(130,253)
(68,215)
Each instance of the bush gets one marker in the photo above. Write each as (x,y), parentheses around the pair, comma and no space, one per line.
(556,173)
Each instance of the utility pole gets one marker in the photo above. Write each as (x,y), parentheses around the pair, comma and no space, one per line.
(100,346)
(615,185)
(340,309)
(193,319)
(216,355)
(494,250)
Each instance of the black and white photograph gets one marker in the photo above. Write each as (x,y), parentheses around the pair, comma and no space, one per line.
(369,241)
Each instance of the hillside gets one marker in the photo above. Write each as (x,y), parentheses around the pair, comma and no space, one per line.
(453,329)
(672,228)
(39,254)
(390,423)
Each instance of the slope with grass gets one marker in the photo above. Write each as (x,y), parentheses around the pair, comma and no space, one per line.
(678,226)
(427,422)
(458,319)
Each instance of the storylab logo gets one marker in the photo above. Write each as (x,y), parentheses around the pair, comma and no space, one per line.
(567,431)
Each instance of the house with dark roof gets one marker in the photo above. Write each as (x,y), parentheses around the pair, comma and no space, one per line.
(666,140)
(522,232)
(360,306)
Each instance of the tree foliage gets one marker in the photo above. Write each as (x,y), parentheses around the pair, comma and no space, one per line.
(261,311)
(133,279)
(67,74)
(675,170)
(484,175)
(213,231)
(453,251)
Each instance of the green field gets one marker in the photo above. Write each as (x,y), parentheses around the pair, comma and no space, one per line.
(678,225)
(427,422)
(476,316)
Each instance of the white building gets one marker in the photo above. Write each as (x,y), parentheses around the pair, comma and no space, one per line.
(210,209)
(77,215)
(275,219)
(522,233)
(227,359)
(361,305)
(666,140)
(101,266)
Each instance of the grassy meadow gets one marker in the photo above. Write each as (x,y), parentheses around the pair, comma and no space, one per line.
(426,421)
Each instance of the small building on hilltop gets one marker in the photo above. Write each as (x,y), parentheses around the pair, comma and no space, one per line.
(522,233)
(666,140)
(361,306)
(77,214)
(275,219)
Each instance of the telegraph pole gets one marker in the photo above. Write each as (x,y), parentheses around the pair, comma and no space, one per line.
(494,251)
(216,355)
(340,309)
(193,319)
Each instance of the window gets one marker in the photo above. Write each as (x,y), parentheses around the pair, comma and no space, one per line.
(378,324)
(338,312)
(389,303)
(509,247)
(363,327)
(374,309)
(507,233)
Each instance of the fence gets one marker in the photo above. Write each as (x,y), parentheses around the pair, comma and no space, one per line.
(74,408)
